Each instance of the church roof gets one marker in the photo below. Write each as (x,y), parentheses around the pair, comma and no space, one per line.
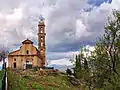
(27,41)
(14,52)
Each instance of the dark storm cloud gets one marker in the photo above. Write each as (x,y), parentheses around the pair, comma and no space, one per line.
(75,46)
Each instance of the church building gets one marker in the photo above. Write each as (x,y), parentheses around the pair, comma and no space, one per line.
(28,55)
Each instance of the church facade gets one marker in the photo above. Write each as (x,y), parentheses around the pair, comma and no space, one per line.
(28,54)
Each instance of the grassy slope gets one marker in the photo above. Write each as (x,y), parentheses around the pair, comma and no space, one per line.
(1,76)
(50,82)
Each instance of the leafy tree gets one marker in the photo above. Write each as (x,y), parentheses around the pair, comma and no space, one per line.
(68,71)
(106,57)
(78,67)
(81,66)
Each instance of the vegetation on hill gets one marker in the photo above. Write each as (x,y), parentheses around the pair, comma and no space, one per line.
(1,77)
(34,81)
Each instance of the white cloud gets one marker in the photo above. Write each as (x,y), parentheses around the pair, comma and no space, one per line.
(16,15)
(59,55)
(63,61)
(81,29)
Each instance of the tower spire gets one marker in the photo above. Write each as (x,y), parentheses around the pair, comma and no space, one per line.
(41,18)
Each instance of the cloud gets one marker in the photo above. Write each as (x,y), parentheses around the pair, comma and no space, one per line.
(19,21)
(69,23)
(61,62)
(58,62)
(62,68)
(61,55)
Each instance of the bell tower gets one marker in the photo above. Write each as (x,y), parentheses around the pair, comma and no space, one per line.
(41,42)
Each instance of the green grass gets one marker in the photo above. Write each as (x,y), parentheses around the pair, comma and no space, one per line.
(1,76)
(50,82)
(16,82)
(37,86)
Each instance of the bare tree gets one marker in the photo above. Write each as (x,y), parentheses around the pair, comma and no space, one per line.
(3,54)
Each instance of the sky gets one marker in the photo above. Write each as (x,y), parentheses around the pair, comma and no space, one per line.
(69,24)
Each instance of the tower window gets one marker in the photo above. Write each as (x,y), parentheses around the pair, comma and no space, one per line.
(41,29)
(41,39)
(41,43)
(27,52)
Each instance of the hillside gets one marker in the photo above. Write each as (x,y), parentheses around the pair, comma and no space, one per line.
(32,80)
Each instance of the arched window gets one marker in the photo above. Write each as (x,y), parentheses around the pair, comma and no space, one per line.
(42,44)
(41,39)
(41,30)
(27,52)
(14,59)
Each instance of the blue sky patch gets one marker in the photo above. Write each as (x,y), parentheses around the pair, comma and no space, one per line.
(98,2)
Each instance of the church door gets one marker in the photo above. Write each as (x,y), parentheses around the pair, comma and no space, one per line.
(14,65)
(28,65)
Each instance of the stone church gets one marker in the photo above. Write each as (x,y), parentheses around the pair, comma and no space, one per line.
(28,55)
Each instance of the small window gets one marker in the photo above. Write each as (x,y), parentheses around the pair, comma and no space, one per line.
(41,31)
(41,39)
(41,28)
(27,52)
(14,59)
(42,44)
